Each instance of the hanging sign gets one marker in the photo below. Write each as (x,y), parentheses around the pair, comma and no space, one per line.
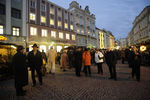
(142,48)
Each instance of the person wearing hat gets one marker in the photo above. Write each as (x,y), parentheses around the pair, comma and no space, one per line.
(35,63)
(20,71)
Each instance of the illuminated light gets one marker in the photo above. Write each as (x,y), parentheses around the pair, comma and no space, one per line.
(2,38)
(142,48)
(13,47)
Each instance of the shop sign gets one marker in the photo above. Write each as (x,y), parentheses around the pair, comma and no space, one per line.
(2,38)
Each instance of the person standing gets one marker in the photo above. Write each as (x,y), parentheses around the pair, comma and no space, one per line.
(136,66)
(99,60)
(44,57)
(123,56)
(111,61)
(20,71)
(64,60)
(35,63)
(51,60)
(78,61)
(86,58)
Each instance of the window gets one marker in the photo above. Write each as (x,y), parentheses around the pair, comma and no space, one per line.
(16,31)
(67,36)
(16,13)
(60,35)
(52,10)
(44,33)
(32,3)
(43,8)
(73,37)
(33,31)
(2,9)
(59,12)
(53,34)
(82,31)
(43,20)
(59,23)
(32,16)
(1,29)
(66,25)
(78,30)
(51,21)
(71,27)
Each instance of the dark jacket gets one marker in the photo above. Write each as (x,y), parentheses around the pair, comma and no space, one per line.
(78,58)
(111,58)
(20,69)
(35,61)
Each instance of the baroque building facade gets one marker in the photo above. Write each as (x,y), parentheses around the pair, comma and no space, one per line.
(84,25)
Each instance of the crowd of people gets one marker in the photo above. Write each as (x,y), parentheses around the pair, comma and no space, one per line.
(79,58)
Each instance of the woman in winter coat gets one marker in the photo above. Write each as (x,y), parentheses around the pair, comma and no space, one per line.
(64,60)
(20,71)
(99,60)
(86,58)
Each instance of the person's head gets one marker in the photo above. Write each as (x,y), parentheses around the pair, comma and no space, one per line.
(51,47)
(35,47)
(42,50)
(20,49)
(78,49)
(108,49)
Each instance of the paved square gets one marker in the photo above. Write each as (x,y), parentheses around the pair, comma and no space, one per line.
(66,86)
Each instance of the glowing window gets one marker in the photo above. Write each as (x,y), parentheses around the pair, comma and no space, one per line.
(32,16)
(33,31)
(66,25)
(60,35)
(44,33)
(67,36)
(51,21)
(73,37)
(1,29)
(16,31)
(53,34)
(71,27)
(43,19)
(59,23)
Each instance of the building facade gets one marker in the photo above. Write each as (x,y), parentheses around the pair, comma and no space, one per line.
(49,25)
(123,43)
(140,32)
(106,39)
(13,21)
(84,25)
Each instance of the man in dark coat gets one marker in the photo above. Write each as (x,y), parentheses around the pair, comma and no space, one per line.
(111,61)
(78,61)
(35,63)
(136,66)
(20,71)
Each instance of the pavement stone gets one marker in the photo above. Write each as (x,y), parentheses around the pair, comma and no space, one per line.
(66,86)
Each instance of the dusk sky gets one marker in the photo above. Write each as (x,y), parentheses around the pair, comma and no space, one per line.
(113,15)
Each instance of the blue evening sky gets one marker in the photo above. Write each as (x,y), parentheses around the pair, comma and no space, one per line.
(113,15)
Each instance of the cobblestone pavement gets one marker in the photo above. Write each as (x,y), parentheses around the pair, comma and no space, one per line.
(66,86)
